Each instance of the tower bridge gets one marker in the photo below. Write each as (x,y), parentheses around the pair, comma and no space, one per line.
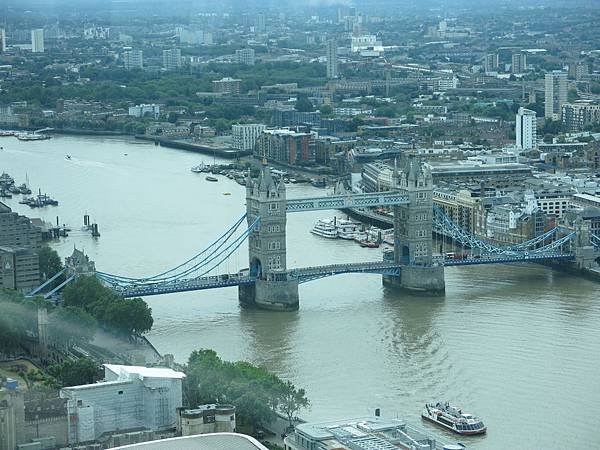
(268,283)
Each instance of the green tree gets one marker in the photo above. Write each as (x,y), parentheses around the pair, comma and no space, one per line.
(75,373)
(292,401)
(50,262)
(326,110)
(172,117)
(303,104)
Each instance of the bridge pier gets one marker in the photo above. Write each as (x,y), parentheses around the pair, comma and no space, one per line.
(425,279)
(271,295)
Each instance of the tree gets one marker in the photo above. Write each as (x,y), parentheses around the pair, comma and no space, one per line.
(50,262)
(292,401)
(326,110)
(75,373)
(303,104)
(172,117)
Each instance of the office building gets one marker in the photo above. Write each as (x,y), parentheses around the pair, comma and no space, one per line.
(2,40)
(37,40)
(245,56)
(577,116)
(20,268)
(130,397)
(286,146)
(556,94)
(227,85)
(526,129)
(17,230)
(133,59)
(519,63)
(332,63)
(171,59)
(245,136)
(490,63)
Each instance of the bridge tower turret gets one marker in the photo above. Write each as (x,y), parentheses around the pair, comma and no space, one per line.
(413,246)
(267,245)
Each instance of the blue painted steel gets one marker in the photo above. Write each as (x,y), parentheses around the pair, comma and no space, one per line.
(313,273)
(39,288)
(595,240)
(503,259)
(59,287)
(372,199)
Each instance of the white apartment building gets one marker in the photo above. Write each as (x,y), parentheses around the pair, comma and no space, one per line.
(556,94)
(245,135)
(141,110)
(133,59)
(37,40)
(2,40)
(526,129)
(129,397)
(171,59)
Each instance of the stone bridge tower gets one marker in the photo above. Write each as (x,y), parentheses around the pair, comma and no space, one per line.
(413,231)
(267,245)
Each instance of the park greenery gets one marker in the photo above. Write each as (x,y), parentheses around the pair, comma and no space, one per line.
(257,394)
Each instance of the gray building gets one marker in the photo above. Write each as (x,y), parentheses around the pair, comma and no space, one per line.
(245,56)
(556,94)
(332,62)
(133,59)
(17,230)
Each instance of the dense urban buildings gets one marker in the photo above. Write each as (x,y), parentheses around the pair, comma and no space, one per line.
(245,56)
(227,85)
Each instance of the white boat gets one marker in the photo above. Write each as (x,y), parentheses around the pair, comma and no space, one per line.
(32,137)
(347,229)
(325,228)
(453,418)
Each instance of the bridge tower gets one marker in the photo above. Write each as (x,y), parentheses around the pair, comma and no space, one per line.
(413,232)
(274,289)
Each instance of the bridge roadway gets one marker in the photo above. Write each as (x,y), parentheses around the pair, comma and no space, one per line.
(344,201)
(306,274)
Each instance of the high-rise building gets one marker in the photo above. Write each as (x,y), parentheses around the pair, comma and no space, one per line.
(171,59)
(576,116)
(133,59)
(245,136)
(556,93)
(490,64)
(526,129)
(261,23)
(2,40)
(245,56)
(519,63)
(37,40)
(332,63)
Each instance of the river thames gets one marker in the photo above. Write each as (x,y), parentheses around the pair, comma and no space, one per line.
(516,344)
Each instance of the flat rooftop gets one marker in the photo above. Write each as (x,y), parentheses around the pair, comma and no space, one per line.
(213,441)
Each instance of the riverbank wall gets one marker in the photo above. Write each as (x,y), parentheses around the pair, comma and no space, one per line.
(227,153)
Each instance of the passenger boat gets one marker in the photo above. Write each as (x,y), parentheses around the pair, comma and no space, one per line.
(347,229)
(213,179)
(453,418)
(325,228)
(32,137)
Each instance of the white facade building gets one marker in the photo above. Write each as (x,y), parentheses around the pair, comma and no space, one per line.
(365,42)
(133,59)
(526,129)
(141,110)
(332,63)
(130,397)
(556,94)
(37,40)
(245,136)
(172,59)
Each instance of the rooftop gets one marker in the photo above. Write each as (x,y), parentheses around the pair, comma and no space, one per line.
(213,441)
(145,372)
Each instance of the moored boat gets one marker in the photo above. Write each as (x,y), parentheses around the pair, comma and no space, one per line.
(453,418)
(213,179)
(325,228)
